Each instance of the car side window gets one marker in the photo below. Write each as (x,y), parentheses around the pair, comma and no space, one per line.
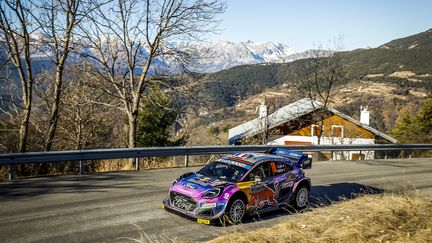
(278,168)
(262,171)
(267,169)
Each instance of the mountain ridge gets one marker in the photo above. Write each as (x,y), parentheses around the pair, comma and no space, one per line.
(220,55)
(210,56)
(395,63)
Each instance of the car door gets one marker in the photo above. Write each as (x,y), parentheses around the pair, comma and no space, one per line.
(284,176)
(264,191)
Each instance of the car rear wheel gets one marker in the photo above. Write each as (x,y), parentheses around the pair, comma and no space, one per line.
(301,197)
(235,211)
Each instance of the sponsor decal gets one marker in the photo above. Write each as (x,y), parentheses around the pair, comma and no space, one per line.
(182,203)
(240,160)
(199,181)
(287,184)
(281,168)
(226,196)
(256,188)
(183,190)
(208,205)
(190,185)
(220,204)
(289,154)
(265,197)
(294,155)
(217,183)
(203,221)
(237,163)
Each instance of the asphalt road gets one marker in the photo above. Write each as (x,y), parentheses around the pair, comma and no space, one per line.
(118,207)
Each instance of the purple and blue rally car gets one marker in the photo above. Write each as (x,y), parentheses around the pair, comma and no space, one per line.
(227,189)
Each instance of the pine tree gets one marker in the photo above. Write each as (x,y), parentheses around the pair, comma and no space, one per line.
(402,131)
(423,121)
(155,119)
(417,128)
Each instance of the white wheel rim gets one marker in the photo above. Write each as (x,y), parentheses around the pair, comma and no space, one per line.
(237,210)
(302,197)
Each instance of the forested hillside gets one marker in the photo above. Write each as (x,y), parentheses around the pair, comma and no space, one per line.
(392,80)
(411,55)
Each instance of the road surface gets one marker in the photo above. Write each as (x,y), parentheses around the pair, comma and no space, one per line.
(115,207)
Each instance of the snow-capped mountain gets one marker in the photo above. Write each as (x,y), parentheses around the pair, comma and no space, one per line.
(218,55)
(210,56)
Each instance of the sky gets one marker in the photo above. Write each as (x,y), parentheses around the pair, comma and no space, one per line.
(303,24)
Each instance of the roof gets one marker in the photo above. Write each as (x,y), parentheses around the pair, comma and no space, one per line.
(244,160)
(288,113)
(249,157)
(248,160)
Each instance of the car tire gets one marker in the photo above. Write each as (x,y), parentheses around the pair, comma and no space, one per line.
(235,211)
(301,199)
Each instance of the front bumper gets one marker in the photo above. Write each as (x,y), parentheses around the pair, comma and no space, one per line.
(203,219)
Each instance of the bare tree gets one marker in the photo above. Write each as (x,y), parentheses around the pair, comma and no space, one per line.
(131,40)
(56,21)
(83,120)
(319,79)
(15,24)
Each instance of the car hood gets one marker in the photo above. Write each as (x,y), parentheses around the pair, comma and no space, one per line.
(196,184)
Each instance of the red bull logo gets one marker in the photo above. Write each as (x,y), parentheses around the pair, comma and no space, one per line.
(265,197)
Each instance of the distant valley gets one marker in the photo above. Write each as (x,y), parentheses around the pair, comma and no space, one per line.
(391,79)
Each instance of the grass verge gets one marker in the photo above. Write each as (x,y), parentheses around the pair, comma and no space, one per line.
(369,218)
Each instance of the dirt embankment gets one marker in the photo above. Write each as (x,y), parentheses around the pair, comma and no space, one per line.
(371,218)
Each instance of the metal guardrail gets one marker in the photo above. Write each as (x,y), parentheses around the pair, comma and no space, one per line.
(99,154)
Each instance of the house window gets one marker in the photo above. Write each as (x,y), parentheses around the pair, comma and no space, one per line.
(316,130)
(338,131)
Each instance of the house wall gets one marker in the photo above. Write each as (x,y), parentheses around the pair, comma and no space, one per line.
(339,155)
(351,134)
(350,130)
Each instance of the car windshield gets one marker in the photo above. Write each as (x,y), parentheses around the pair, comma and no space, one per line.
(223,171)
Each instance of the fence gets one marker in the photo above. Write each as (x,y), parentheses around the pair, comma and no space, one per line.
(11,159)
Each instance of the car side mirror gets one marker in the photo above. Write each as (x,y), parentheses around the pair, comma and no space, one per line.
(307,163)
(186,174)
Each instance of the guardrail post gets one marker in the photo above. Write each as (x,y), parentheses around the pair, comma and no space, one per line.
(137,165)
(80,167)
(186,160)
(11,172)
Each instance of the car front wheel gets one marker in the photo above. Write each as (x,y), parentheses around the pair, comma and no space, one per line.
(236,211)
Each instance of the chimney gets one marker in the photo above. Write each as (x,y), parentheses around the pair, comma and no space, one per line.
(364,115)
(262,110)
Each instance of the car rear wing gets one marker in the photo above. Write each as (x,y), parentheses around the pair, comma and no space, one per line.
(300,159)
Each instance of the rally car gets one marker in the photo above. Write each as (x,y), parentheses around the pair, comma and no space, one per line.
(229,188)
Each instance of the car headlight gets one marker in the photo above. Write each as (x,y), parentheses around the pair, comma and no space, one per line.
(212,193)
